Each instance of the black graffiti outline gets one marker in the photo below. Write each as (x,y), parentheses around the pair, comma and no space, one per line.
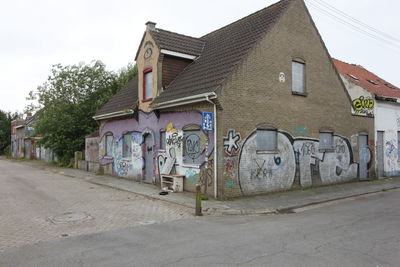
(292,140)
(231,142)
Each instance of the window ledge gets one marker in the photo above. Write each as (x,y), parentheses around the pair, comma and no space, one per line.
(108,157)
(326,150)
(190,166)
(147,100)
(299,94)
(267,151)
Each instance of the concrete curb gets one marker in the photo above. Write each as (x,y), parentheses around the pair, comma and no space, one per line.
(212,211)
(291,209)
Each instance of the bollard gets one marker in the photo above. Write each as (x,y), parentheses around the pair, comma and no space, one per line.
(198,201)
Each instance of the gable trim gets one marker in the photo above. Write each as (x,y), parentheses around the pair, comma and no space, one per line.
(177,54)
(185,100)
(113,114)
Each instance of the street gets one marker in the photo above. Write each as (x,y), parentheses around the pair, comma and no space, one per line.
(360,231)
(38,205)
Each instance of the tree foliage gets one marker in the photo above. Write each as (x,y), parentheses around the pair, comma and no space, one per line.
(68,100)
(5,129)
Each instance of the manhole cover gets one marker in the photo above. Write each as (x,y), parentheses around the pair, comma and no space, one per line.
(70,217)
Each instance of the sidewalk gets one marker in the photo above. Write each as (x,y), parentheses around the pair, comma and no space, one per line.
(262,204)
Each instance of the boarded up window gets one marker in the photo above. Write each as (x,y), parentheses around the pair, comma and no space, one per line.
(325,141)
(109,144)
(191,147)
(266,140)
(298,81)
(127,146)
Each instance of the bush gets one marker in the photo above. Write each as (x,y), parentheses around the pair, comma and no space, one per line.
(7,151)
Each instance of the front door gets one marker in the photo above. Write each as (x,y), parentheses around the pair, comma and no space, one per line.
(148,158)
(380,155)
(364,156)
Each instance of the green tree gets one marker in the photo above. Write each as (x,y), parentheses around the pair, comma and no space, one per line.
(68,100)
(5,129)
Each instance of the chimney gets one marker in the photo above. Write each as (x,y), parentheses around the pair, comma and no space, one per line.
(28,116)
(150,26)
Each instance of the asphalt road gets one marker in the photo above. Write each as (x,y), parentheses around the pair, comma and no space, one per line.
(357,232)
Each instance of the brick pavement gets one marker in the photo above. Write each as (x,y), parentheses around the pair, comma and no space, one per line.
(38,205)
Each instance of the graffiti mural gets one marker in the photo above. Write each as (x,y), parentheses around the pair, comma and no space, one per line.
(206,175)
(231,142)
(391,156)
(262,172)
(192,146)
(131,164)
(296,157)
(363,106)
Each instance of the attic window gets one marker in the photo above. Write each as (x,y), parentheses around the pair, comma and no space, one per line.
(374,83)
(354,77)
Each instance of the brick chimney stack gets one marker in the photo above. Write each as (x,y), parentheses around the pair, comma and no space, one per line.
(150,26)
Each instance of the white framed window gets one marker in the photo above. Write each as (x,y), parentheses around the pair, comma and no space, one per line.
(298,77)
(267,140)
(147,85)
(325,140)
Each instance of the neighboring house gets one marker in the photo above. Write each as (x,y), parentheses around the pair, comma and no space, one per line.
(256,106)
(17,138)
(24,143)
(373,96)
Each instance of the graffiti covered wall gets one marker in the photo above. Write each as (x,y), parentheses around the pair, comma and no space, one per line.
(363,102)
(185,143)
(297,161)
(387,120)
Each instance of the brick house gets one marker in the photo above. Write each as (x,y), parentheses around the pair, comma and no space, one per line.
(374,97)
(281,114)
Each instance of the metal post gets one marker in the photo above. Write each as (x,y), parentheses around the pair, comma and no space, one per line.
(198,201)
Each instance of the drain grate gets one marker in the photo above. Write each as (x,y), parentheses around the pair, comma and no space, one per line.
(71,217)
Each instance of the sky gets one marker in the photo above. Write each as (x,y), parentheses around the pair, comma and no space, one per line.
(34,35)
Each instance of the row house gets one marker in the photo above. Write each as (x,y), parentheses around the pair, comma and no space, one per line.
(373,97)
(253,107)
(24,144)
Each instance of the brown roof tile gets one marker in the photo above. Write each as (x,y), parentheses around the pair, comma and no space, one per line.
(223,50)
(126,98)
(366,79)
(177,42)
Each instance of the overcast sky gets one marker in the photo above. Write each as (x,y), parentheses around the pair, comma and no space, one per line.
(34,35)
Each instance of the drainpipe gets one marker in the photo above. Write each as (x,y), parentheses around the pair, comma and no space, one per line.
(215,147)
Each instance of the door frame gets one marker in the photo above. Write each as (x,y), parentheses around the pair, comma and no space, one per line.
(148,134)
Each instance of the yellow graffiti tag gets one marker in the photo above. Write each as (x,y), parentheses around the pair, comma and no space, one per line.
(363,105)
(170,128)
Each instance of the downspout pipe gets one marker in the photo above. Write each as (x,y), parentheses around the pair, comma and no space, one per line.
(215,147)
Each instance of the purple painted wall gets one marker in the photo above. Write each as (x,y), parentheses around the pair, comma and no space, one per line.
(133,165)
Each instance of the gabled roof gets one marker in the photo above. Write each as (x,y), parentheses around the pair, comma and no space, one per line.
(356,74)
(177,42)
(223,51)
(125,99)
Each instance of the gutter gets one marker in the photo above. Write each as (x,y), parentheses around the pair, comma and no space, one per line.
(215,147)
(185,100)
(113,114)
